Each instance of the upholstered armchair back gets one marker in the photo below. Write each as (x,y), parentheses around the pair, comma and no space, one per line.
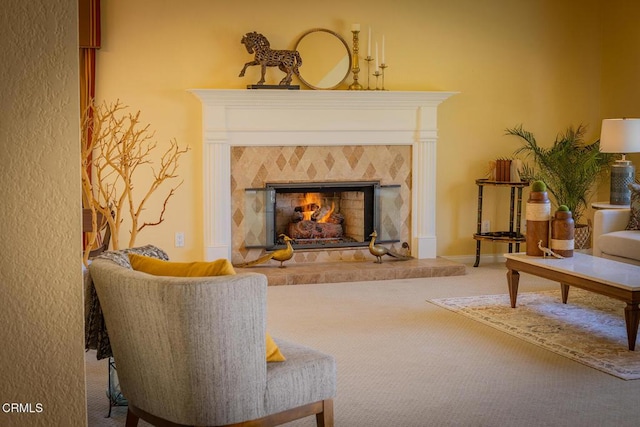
(189,350)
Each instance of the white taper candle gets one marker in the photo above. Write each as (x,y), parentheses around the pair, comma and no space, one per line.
(383,50)
(376,56)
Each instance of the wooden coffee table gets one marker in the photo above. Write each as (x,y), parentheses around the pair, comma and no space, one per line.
(602,276)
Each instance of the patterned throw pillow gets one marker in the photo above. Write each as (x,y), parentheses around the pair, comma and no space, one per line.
(634,218)
(121,256)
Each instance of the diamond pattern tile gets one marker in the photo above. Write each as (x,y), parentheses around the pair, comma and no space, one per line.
(370,173)
(281,162)
(329,161)
(258,205)
(312,172)
(238,217)
(259,178)
(399,202)
(252,167)
(353,160)
(236,153)
(293,162)
(300,151)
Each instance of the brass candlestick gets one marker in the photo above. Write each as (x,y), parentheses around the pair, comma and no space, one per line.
(382,67)
(377,74)
(355,67)
(368,59)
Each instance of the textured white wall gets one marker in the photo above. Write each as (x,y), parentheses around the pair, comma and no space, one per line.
(41,310)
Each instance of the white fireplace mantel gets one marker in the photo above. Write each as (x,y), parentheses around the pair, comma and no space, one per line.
(321,118)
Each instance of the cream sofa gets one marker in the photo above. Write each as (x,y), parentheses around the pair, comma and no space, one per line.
(611,240)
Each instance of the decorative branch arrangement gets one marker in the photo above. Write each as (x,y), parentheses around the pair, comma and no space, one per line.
(115,147)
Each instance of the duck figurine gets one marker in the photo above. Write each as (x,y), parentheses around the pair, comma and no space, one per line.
(379,251)
(281,255)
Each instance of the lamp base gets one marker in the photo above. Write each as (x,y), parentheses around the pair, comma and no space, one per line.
(623,173)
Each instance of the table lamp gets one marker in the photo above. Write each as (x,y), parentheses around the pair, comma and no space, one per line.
(621,136)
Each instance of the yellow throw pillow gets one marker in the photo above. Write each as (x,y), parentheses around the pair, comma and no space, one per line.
(273,352)
(220,267)
(158,267)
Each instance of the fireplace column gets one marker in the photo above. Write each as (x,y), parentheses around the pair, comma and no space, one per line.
(423,221)
(217,184)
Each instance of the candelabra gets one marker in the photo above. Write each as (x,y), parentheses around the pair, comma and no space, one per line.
(377,74)
(382,67)
(368,59)
(355,66)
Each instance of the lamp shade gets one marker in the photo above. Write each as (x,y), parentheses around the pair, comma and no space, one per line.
(620,136)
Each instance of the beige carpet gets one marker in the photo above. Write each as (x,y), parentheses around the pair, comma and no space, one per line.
(404,362)
(590,328)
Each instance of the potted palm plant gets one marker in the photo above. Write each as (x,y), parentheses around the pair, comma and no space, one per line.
(570,168)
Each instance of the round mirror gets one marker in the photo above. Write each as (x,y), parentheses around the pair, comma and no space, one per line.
(326,59)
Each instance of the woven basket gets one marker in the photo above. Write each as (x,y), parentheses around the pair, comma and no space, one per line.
(582,237)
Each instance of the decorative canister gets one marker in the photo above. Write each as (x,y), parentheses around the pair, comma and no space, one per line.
(538,217)
(563,232)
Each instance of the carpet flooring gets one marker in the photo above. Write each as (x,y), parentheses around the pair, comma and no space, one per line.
(590,328)
(404,362)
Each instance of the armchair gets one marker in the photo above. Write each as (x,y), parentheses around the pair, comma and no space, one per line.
(191,351)
(611,240)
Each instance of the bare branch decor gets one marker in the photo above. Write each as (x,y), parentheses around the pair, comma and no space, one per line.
(116,148)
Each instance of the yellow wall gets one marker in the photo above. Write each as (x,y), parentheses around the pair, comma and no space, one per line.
(41,308)
(530,62)
(621,64)
(537,64)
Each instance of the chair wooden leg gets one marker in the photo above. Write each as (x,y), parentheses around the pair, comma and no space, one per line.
(323,411)
(325,418)
(132,419)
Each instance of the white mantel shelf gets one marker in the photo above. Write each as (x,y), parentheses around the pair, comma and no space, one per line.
(281,117)
(330,98)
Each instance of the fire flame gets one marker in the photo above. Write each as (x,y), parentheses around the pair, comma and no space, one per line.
(326,217)
(311,199)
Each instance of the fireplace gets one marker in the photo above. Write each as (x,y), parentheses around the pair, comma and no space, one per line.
(383,136)
(323,215)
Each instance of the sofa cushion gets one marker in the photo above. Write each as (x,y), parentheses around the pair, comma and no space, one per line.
(634,218)
(308,376)
(158,267)
(621,243)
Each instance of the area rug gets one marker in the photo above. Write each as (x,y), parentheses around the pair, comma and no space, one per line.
(589,329)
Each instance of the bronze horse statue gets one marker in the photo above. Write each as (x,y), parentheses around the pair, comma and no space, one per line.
(287,61)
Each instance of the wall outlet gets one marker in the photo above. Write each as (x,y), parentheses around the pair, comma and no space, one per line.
(179,242)
(486,226)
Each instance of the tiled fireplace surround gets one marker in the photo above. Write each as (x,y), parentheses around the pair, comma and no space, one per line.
(254,137)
